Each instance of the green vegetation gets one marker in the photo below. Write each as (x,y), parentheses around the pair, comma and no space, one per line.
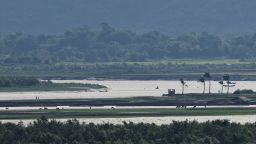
(244,91)
(133,70)
(119,54)
(54,87)
(177,100)
(12,84)
(81,113)
(44,131)
(111,45)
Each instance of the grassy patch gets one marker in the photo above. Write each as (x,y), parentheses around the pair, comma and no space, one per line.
(170,69)
(171,61)
(177,100)
(79,113)
(54,87)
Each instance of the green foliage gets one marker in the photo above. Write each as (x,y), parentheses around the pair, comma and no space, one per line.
(132,70)
(18,82)
(121,54)
(244,91)
(33,84)
(105,113)
(226,77)
(44,131)
(109,44)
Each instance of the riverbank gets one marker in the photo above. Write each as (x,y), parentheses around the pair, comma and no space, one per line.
(172,69)
(177,100)
(54,87)
(116,113)
(242,119)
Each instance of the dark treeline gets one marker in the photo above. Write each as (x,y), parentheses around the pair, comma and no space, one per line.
(72,132)
(18,81)
(109,44)
(26,82)
(128,71)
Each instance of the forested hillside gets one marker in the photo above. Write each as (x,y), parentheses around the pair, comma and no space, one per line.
(108,44)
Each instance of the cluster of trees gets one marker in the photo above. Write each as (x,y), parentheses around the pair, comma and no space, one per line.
(72,132)
(226,78)
(244,91)
(126,70)
(225,82)
(203,78)
(18,82)
(109,44)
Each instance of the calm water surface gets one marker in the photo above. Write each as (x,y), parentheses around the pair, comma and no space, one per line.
(124,88)
(127,88)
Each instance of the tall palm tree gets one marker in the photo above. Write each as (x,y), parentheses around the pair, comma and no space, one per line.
(208,76)
(183,83)
(222,84)
(226,78)
(202,80)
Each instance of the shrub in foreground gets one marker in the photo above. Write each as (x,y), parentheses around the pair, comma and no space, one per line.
(44,131)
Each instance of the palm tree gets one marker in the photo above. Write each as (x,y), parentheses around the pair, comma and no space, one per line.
(226,78)
(202,80)
(222,83)
(208,76)
(183,83)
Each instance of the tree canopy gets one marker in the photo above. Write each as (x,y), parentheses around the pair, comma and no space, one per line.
(110,45)
(44,132)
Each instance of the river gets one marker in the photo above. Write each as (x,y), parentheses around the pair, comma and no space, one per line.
(125,88)
(131,88)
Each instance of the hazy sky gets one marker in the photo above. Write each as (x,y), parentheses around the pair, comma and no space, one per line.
(168,16)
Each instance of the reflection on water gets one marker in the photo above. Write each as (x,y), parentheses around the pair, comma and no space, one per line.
(157,120)
(125,88)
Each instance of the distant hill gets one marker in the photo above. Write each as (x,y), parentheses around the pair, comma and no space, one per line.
(166,16)
(108,44)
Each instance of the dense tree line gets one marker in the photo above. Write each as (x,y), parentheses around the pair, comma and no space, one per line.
(129,71)
(9,82)
(72,132)
(18,81)
(109,44)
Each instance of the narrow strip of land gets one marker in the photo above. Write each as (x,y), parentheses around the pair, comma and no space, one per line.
(87,113)
(177,100)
